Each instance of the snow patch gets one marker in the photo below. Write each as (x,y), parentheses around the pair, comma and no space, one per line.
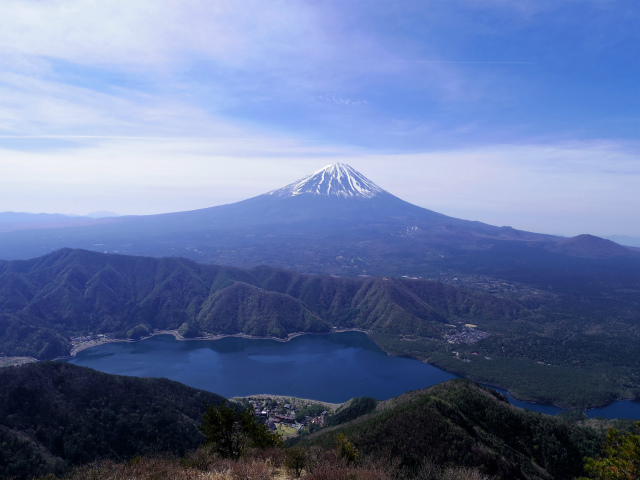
(337,179)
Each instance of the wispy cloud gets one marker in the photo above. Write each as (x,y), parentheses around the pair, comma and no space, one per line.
(460,62)
(480,107)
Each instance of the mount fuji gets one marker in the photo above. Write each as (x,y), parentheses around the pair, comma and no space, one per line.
(333,221)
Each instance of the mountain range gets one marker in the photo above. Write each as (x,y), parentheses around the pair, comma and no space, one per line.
(46,301)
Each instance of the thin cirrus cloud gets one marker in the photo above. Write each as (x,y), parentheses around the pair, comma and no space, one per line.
(533,101)
(115,32)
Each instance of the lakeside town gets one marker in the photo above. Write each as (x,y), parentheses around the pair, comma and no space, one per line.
(469,335)
(289,416)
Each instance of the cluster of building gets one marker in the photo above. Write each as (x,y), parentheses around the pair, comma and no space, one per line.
(87,341)
(470,334)
(91,338)
(284,411)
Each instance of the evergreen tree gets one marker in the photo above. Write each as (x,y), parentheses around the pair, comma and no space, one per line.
(230,433)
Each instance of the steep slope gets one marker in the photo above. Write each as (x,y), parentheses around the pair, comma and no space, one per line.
(254,311)
(45,301)
(460,423)
(54,415)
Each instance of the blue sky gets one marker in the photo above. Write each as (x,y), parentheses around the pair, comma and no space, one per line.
(521,113)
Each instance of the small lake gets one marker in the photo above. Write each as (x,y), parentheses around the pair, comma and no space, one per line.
(332,368)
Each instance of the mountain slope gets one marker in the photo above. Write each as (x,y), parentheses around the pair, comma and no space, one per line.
(47,300)
(54,415)
(460,423)
(338,180)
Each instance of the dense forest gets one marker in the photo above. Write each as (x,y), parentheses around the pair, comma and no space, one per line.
(54,415)
(460,423)
(513,337)
(61,419)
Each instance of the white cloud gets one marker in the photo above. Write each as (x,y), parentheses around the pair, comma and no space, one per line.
(116,32)
(149,175)
(565,189)
(138,68)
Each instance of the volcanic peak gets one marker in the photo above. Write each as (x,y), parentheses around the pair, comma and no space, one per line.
(337,179)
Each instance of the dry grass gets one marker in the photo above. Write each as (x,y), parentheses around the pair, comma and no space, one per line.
(257,465)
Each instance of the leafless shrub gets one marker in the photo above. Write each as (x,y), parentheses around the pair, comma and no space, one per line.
(296,460)
(250,470)
(463,473)
(271,456)
(139,468)
(200,459)
(327,471)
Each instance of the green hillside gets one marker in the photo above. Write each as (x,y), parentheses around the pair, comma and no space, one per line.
(54,415)
(46,301)
(460,423)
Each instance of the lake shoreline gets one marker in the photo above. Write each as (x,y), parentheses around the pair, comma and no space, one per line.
(265,396)
(94,343)
(507,390)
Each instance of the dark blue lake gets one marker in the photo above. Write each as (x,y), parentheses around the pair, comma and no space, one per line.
(332,368)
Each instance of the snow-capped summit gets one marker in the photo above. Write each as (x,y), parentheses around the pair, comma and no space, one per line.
(337,179)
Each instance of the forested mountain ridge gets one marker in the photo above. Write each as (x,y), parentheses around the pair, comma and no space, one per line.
(45,301)
(461,423)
